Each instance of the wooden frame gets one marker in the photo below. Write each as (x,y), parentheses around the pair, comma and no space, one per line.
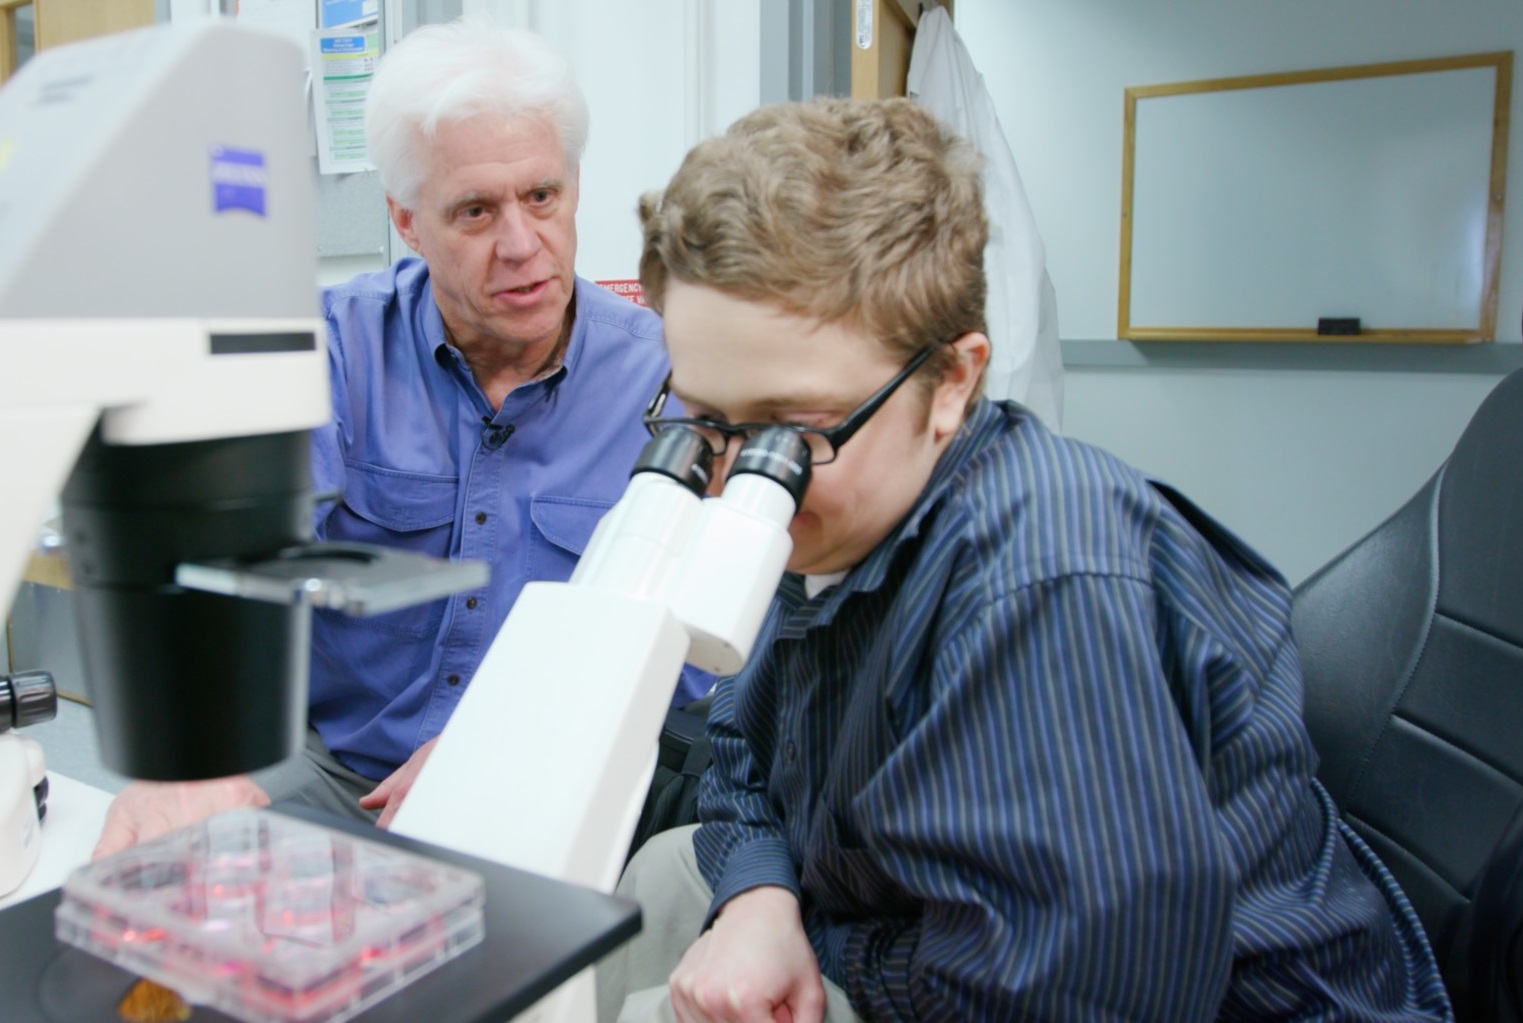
(1489,257)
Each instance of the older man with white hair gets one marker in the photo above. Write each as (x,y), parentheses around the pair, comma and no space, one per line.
(486,405)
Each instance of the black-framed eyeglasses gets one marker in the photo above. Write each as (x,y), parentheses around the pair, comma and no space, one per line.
(824,443)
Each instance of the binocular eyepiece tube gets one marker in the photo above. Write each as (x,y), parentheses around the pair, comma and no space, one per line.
(680,453)
(715,562)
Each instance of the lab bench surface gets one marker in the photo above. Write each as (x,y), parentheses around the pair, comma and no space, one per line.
(539,934)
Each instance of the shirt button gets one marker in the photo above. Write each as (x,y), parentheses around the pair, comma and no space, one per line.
(453,680)
(790,751)
(481,518)
(471,602)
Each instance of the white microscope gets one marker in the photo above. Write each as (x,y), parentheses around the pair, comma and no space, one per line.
(582,672)
(26,698)
(161,364)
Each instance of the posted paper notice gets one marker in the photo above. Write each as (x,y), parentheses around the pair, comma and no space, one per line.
(343,62)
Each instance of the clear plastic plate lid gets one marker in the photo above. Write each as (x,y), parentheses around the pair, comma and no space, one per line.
(272,919)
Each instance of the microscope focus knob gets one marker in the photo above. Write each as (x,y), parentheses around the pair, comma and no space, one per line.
(27,698)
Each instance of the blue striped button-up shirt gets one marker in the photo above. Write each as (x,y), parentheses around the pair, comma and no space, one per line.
(1040,756)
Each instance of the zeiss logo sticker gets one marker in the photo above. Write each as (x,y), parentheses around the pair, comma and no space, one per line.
(238,180)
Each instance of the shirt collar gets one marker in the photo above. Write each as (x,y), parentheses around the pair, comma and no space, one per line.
(438,342)
(984,421)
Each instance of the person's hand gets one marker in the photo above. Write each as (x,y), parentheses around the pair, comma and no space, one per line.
(148,809)
(389,794)
(755,965)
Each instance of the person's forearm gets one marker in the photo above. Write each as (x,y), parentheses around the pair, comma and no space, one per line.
(741,843)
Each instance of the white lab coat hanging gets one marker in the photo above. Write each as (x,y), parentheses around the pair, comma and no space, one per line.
(1026,364)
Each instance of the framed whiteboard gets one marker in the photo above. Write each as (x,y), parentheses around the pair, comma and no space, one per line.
(1254,208)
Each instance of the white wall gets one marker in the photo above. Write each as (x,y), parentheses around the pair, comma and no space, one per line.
(1299,461)
(659,77)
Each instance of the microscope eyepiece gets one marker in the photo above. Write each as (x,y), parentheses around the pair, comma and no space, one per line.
(680,453)
(27,698)
(780,455)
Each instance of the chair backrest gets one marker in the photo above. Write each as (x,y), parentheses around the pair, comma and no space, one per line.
(1412,642)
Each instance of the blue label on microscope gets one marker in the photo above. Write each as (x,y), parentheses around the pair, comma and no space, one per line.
(238,180)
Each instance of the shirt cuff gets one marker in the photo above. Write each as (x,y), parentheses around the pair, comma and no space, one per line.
(757,864)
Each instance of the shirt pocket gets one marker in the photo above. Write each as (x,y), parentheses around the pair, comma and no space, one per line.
(562,528)
(407,511)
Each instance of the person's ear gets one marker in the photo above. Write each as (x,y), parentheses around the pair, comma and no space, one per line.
(402,220)
(949,401)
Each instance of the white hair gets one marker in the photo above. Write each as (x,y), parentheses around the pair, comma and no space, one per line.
(457,70)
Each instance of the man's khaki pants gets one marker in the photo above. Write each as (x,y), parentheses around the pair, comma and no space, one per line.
(664,879)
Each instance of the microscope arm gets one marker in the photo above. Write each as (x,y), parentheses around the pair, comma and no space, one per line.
(543,759)
(545,762)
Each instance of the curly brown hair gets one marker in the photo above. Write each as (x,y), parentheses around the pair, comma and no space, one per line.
(863,212)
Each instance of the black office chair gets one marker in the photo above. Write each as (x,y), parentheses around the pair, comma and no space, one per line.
(1412,641)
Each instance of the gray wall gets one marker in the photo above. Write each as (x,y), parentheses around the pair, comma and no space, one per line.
(1299,449)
